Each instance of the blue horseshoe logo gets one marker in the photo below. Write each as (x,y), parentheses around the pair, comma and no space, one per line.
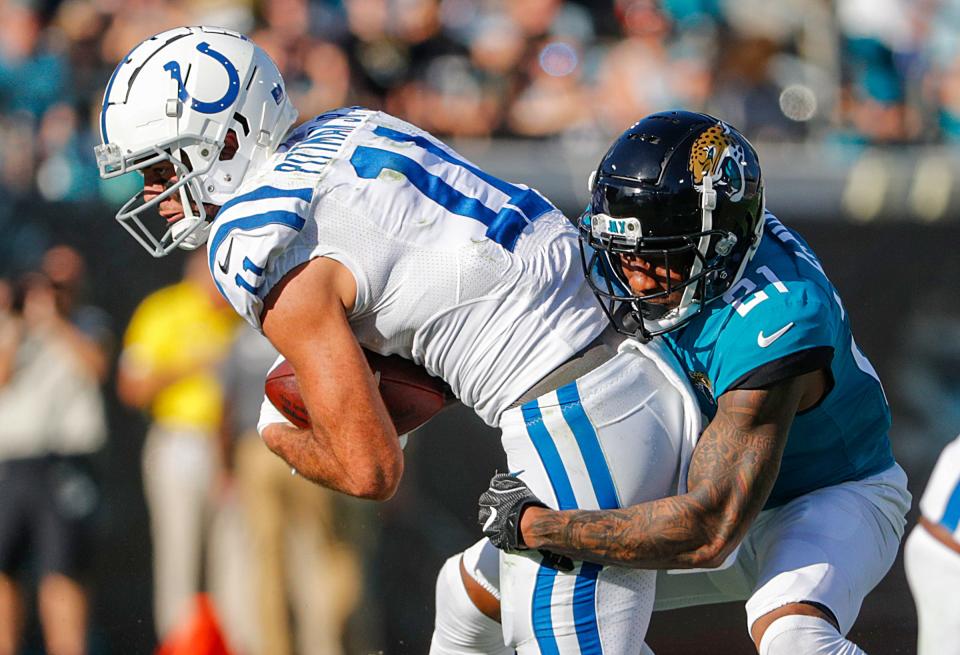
(233,88)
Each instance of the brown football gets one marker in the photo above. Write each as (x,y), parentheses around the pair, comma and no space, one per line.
(411,395)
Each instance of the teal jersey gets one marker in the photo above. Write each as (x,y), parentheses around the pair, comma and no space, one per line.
(784,318)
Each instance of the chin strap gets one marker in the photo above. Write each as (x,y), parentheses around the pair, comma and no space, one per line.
(708,202)
(195,227)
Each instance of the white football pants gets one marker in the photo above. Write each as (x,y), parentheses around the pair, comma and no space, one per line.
(830,546)
(618,435)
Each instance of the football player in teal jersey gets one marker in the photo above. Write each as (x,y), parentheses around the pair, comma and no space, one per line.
(794,502)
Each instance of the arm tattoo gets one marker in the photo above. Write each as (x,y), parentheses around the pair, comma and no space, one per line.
(731,474)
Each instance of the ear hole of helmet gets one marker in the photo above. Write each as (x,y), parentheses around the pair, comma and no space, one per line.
(230,146)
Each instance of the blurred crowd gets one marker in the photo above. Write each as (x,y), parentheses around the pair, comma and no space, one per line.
(54,355)
(244,554)
(858,71)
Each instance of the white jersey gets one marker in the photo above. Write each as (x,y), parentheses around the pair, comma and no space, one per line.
(473,278)
(940,502)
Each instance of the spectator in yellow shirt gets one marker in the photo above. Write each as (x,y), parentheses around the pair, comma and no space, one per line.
(172,347)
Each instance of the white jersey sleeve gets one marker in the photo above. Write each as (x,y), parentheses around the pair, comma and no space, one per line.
(251,230)
(259,235)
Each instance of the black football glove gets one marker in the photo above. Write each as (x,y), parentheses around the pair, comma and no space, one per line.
(500,508)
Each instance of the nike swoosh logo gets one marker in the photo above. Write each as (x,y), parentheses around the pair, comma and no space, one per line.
(763,341)
(225,263)
(489,522)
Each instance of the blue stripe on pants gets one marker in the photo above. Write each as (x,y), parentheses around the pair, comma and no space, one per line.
(589,444)
(547,450)
(542,605)
(585,609)
(585,587)
(540,611)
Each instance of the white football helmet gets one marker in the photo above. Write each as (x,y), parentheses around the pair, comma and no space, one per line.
(174,98)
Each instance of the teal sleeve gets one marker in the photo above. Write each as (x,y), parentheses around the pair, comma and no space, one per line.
(782,325)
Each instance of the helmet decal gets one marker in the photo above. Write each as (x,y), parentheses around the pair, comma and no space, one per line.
(233,88)
(717,154)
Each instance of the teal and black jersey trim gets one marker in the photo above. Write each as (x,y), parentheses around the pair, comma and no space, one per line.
(782,317)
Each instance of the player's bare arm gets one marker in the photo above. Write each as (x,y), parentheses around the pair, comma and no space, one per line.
(731,474)
(352,445)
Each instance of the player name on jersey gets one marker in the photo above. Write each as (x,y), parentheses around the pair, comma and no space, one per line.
(319,141)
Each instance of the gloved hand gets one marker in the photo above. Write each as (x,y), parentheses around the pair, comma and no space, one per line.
(500,508)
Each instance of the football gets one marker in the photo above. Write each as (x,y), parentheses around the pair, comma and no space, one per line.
(411,395)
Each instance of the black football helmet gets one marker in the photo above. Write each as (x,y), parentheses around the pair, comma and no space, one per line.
(680,191)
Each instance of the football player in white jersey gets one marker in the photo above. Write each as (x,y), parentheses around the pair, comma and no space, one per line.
(358,230)
(932,558)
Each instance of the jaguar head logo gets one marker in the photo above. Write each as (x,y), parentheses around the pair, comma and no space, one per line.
(717,154)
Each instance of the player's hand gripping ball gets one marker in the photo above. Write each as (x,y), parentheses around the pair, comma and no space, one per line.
(411,395)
